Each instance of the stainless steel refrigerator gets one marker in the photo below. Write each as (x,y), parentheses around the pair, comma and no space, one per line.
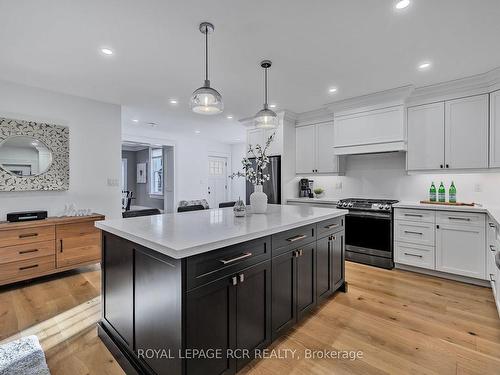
(272,187)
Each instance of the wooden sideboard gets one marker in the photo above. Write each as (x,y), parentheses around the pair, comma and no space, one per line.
(38,248)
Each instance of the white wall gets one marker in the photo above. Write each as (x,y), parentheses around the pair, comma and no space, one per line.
(191,158)
(384,176)
(95,148)
(238,185)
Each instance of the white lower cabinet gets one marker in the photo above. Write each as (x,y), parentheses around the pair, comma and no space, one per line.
(455,243)
(461,250)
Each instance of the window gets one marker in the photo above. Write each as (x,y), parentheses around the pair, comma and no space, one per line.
(215,167)
(156,162)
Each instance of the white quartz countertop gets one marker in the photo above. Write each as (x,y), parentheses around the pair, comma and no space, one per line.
(314,200)
(493,212)
(184,234)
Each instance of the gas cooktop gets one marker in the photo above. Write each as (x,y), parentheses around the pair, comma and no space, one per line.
(366,204)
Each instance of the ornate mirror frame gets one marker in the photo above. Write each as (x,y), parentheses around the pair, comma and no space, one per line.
(56,138)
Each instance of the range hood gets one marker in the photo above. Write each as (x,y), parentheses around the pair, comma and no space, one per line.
(370,131)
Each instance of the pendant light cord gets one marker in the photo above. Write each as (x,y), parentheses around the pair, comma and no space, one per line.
(265,90)
(206,53)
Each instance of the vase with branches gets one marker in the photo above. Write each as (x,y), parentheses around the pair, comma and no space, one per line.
(256,174)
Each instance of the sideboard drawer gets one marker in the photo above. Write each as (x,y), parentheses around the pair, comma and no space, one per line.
(293,238)
(26,251)
(329,226)
(213,265)
(76,230)
(414,232)
(15,271)
(22,236)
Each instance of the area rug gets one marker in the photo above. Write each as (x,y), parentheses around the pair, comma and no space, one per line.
(23,357)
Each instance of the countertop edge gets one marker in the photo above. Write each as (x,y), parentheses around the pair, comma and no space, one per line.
(203,248)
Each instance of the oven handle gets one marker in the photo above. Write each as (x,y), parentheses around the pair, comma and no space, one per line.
(370,215)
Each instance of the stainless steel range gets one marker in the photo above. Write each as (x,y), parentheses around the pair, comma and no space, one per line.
(369,231)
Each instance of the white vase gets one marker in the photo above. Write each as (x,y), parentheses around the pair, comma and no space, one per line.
(258,200)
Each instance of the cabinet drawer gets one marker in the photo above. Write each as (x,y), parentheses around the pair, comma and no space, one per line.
(284,241)
(461,218)
(26,235)
(213,265)
(14,271)
(414,232)
(76,229)
(330,226)
(26,251)
(414,255)
(425,216)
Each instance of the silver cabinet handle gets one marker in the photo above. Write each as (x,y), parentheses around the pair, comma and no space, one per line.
(235,259)
(414,255)
(296,238)
(234,280)
(242,277)
(459,218)
(331,226)
(414,215)
(411,232)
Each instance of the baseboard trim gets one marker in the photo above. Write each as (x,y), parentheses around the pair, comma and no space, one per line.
(443,275)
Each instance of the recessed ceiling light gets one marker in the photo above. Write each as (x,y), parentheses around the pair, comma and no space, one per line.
(402,4)
(424,65)
(272,105)
(197,132)
(135,120)
(229,117)
(107,51)
(237,139)
(173,101)
(332,90)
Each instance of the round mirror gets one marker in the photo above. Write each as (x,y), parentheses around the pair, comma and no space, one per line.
(24,156)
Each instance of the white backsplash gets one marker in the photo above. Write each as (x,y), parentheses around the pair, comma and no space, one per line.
(384,176)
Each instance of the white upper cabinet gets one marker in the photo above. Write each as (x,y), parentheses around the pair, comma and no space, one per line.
(426,137)
(314,149)
(450,135)
(466,129)
(259,137)
(495,129)
(377,130)
(326,160)
(305,149)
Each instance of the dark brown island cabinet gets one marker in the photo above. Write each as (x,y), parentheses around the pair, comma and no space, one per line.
(208,313)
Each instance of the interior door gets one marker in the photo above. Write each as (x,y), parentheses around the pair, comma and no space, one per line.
(426,137)
(217,181)
(466,143)
(326,160)
(305,149)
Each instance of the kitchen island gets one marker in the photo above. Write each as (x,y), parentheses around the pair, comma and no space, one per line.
(204,292)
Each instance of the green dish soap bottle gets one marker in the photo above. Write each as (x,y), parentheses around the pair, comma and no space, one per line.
(453,193)
(441,193)
(432,192)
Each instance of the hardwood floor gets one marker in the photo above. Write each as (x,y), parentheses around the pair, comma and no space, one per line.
(402,322)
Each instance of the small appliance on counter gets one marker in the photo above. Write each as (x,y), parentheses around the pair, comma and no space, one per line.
(306,188)
(26,216)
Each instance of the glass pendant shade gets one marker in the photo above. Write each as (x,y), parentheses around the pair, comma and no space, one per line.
(206,101)
(266,119)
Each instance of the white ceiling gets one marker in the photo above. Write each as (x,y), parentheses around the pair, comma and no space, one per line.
(360,46)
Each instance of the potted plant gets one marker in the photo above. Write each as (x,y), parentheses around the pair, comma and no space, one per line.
(319,192)
(256,176)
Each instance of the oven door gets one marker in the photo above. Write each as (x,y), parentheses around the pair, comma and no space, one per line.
(369,233)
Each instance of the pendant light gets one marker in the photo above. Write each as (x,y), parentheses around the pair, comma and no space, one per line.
(266,118)
(206,100)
